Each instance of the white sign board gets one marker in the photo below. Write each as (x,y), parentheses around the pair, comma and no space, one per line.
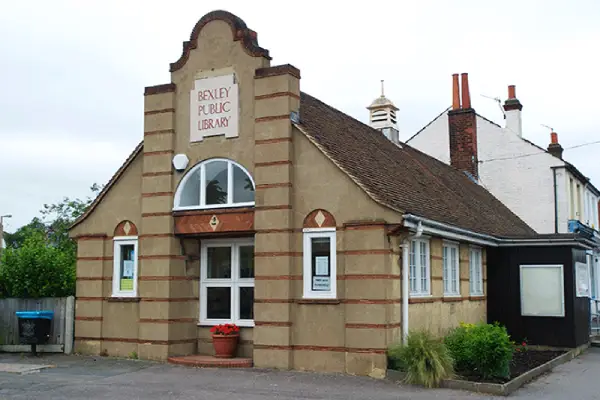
(582,279)
(542,291)
(321,283)
(214,107)
(322,265)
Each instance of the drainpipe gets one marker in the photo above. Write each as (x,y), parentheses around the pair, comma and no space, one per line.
(405,279)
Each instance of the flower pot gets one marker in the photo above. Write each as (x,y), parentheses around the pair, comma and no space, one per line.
(225,345)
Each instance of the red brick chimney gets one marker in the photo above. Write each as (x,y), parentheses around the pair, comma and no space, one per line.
(512,111)
(554,147)
(462,122)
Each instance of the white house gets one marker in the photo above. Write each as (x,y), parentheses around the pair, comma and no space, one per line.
(536,183)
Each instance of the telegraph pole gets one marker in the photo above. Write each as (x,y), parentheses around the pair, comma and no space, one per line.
(2,229)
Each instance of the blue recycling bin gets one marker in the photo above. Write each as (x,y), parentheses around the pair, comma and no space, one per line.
(34,327)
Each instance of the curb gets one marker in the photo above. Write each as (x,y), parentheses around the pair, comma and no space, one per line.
(498,389)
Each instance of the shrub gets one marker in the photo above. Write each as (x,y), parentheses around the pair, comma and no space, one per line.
(484,350)
(425,360)
(36,270)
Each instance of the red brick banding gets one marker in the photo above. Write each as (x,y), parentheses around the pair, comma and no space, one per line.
(318,301)
(158,152)
(157,214)
(272,163)
(162,111)
(273,323)
(274,207)
(373,326)
(92,236)
(157,194)
(162,257)
(160,173)
(273,185)
(418,300)
(277,94)
(322,348)
(79,318)
(453,299)
(157,89)
(271,118)
(166,321)
(285,69)
(159,132)
(199,361)
(82,258)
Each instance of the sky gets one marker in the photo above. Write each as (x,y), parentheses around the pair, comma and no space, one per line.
(71,103)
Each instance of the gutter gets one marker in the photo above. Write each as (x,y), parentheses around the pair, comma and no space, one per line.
(452,232)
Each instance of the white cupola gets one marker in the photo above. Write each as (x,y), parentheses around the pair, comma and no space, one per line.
(383,117)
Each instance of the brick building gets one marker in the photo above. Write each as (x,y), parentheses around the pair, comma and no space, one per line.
(249,201)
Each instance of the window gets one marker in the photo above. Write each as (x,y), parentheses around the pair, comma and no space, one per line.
(419,268)
(475,272)
(125,262)
(450,259)
(227,282)
(215,183)
(319,261)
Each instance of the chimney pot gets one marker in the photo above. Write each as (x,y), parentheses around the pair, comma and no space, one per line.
(466,97)
(512,92)
(455,92)
(554,138)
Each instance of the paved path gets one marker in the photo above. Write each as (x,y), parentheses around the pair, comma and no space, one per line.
(92,378)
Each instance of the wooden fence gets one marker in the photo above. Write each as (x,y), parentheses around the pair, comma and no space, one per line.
(61,332)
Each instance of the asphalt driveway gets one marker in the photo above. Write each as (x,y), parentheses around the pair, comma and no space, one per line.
(89,378)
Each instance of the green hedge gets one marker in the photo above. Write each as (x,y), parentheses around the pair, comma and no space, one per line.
(37,270)
(483,349)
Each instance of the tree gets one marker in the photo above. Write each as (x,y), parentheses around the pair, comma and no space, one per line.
(39,259)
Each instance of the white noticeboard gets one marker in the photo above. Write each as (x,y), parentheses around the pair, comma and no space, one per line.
(322,265)
(542,290)
(214,107)
(582,279)
(128,269)
(321,283)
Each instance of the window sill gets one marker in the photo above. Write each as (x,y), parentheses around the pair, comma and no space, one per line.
(121,299)
(477,297)
(207,324)
(318,301)
(415,299)
(452,298)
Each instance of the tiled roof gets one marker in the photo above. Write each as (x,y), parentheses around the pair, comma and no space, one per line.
(403,178)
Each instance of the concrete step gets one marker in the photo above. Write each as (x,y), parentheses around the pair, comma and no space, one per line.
(200,361)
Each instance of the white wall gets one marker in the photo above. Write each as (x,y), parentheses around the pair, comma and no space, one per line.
(524,184)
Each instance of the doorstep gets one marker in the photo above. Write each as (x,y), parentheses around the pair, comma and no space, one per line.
(201,361)
(595,341)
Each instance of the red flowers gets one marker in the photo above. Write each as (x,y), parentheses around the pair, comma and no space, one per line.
(225,329)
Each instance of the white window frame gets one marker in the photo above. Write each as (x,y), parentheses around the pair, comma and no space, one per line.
(476,283)
(119,241)
(203,206)
(234,283)
(310,233)
(415,248)
(447,269)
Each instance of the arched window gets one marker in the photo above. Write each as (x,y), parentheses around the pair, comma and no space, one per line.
(215,183)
